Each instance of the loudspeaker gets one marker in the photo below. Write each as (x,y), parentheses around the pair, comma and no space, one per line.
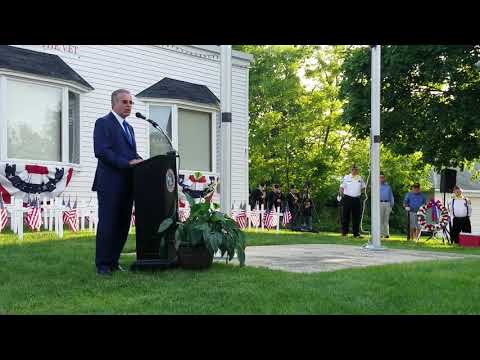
(448,179)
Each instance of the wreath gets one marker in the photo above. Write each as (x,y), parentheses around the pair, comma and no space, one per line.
(442,219)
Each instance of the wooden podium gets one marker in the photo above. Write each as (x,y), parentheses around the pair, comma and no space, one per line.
(155,195)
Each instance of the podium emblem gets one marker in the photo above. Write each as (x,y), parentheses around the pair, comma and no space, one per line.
(170,180)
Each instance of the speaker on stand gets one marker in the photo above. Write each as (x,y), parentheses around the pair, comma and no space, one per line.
(448,180)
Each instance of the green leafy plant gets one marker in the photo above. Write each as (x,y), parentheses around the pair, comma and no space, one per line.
(213,229)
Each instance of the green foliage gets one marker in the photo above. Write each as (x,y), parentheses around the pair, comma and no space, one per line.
(430,98)
(56,276)
(213,229)
(297,133)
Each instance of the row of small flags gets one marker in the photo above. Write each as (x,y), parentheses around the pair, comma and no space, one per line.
(270,218)
(240,216)
(33,217)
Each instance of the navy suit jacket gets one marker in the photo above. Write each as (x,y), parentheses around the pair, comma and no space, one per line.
(113,152)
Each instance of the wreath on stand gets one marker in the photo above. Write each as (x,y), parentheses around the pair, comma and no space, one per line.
(440,221)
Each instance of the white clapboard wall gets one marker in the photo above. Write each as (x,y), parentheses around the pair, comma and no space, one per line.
(136,67)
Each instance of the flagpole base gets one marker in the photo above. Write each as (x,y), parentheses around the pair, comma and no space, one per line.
(370,246)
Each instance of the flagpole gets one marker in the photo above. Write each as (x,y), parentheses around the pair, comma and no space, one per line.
(226,130)
(375,149)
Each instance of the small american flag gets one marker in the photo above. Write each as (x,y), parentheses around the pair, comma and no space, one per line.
(34,216)
(254,217)
(70,218)
(241,218)
(271,218)
(3,214)
(287,217)
(183,210)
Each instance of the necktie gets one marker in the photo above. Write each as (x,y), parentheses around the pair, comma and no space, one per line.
(129,137)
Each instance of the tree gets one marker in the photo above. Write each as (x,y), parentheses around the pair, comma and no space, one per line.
(275,108)
(430,101)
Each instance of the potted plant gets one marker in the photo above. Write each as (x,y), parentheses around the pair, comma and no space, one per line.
(206,231)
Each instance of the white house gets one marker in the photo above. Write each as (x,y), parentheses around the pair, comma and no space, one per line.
(51,95)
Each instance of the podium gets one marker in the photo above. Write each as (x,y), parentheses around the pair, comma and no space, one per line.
(155,195)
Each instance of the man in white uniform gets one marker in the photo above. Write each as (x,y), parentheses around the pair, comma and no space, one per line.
(351,189)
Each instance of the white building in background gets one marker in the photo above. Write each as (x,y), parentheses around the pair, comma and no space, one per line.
(51,96)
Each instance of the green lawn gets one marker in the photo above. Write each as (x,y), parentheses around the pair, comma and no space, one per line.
(44,275)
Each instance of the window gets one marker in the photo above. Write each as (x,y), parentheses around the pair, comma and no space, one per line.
(162,115)
(42,122)
(74,127)
(191,131)
(194,140)
(34,131)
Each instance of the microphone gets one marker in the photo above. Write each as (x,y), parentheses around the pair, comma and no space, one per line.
(139,115)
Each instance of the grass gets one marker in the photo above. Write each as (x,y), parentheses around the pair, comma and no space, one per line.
(45,275)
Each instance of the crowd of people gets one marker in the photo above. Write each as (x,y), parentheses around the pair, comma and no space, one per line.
(299,204)
(459,207)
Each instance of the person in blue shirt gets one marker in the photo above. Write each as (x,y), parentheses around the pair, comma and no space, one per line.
(412,202)
(386,206)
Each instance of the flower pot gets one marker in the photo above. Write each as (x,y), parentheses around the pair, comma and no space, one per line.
(194,257)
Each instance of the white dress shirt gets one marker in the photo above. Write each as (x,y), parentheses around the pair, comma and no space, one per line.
(461,207)
(352,185)
(121,120)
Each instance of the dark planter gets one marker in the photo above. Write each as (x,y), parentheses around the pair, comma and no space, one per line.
(194,257)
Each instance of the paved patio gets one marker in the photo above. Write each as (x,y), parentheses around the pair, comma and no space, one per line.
(328,257)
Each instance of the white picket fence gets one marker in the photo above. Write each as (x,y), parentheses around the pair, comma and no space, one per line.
(52,215)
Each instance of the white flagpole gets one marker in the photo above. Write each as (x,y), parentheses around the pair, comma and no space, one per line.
(226,127)
(375,146)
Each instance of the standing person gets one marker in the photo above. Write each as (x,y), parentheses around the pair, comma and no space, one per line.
(386,206)
(293,206)
(307,213)
(258,196)
(412,202)
(275,198)
(460,209)
(116,151)
(351,189)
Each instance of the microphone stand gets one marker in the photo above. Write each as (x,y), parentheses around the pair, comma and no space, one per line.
(156,126)
(172,152)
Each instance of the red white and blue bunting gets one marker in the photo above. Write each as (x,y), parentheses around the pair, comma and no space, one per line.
(26,181)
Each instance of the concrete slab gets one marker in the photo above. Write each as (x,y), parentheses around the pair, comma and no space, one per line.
(310,258)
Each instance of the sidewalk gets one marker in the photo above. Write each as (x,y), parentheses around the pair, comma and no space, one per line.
(329,257)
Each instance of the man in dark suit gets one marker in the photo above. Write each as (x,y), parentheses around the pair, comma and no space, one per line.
(293,205)
(258,197)
(116,151)
(274,198)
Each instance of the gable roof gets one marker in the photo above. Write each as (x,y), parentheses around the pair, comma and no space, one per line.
(180,90)
(38,63)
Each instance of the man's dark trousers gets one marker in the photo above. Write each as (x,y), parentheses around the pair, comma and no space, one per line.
(460,224)
(114,213)
(351,205)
